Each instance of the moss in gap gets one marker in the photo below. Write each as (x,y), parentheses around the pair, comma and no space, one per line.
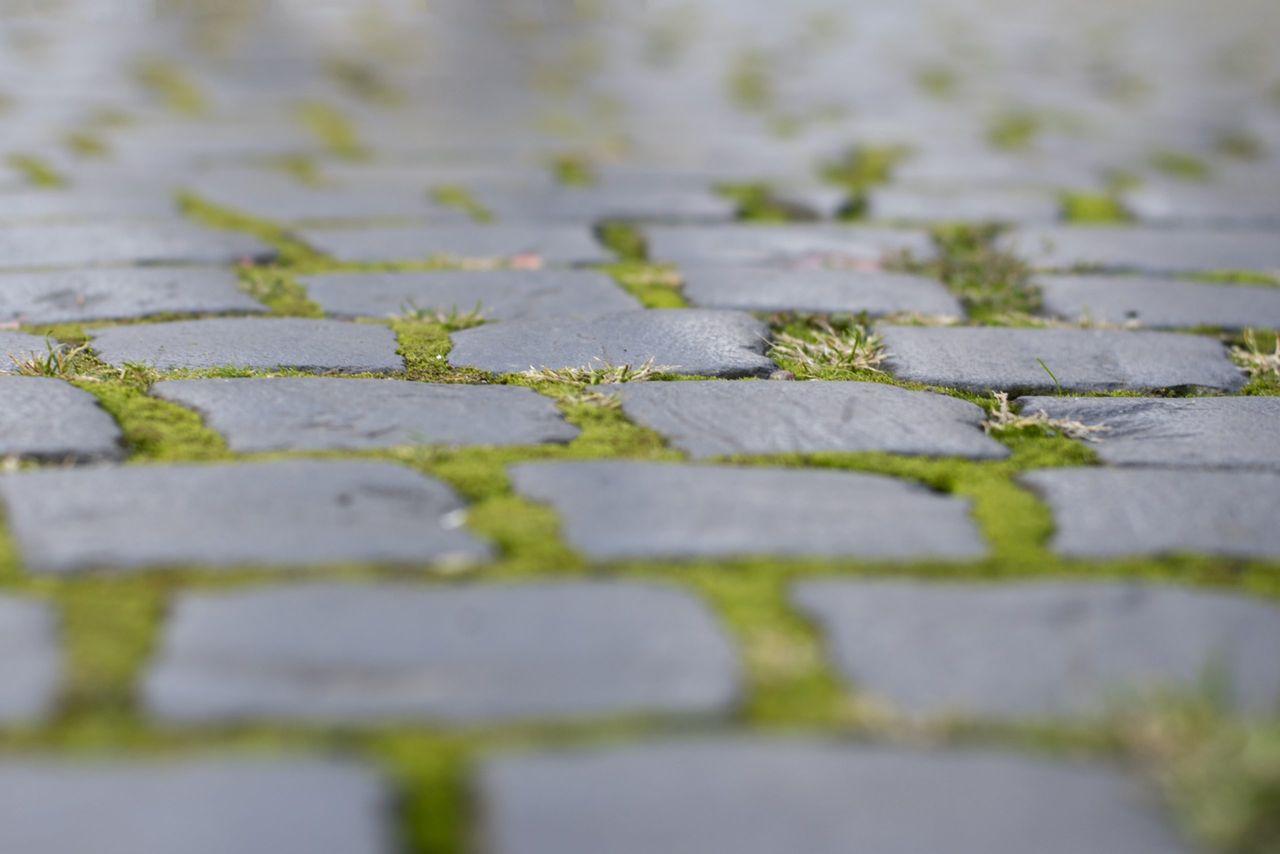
(167,82)
(937,81)
(278,289)
(333,129)
(757,202)
(1121,181)
(291,251)
(860,169)
(573,170)
(1236,277)
(1180,165)
(748,83)
(453,196)
(654,285)
(300,167)
(1014,130)
(83,143)
(425,345)
(364,81)
(1239,145)
(623,239)
(1093,208)
(37,171)
(154,429)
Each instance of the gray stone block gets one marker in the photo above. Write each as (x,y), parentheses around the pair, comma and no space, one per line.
(784,245)
(47,418)
(684,341)
(723,417)
(243,806)
(166,242)
(992,358)
(75,205)
(30,666)
(368,654)
(590,205)
(287,513)
(783,796)
(1115,512)
(254,343)
(498,294)
(116,294)
(331,413)
(1194,432)
(1042,650)
(18,347)
(1194,204)
(817,291)
(902,204)
(273,197)
(1147,249)
(1159,303)
(529,244)
(620,509)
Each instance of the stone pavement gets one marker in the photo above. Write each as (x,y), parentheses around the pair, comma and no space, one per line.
(599,427)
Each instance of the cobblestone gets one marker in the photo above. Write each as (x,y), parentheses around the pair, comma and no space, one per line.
(30,668)
(46,418)
(174,241)
(525,244)
(1149,249)
(817,291)
(784,245)
(1159,303)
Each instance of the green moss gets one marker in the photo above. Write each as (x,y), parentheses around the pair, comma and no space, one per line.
(654,285)
(333,129)
(1239,145)
(1093,208)
(278,289)
(1180,165)
(994,284)
(1015,130)
(300,167)
(155,429)
(1236,277)
(37,171)
(574,170)
(748,82)
(86,144)
(864,166)
(624,240)
(363,80)
(937,81)
(757,202)
(171,86)
(291,251)
(461,199)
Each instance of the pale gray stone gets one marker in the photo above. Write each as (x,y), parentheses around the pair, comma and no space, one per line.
(49,419)
(16,347)
(1148,249)
(1036,650)
(30,666)
(286,513)
(817,291)
(117,294)
(1194,432)
(1187,203)
(783,796)
(681,341)
(903,204)
(168,241)
(331,413)
(590,205)
(255,343)
(369,654)
(860,248)
(244,806)
(1117,512)
(272,197)
(76,205)
(497,294)
(1160,303)
(623,509)
(524,244)
(724,417)
(1019,360)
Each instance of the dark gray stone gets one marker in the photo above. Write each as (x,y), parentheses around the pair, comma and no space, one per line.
(1149,249)
(1114,512)
(115,294)
(1043,649)
(817,291)
(16,347)
(784,245)
(30,665)
(783,796)
(685,341)
(255,343)
(901,204)
(723,417)
(619,509)
(1159,303)
(196,807)
(524,244)
(1209,432)
(330,413)
(590,205)
(463,656)
(49,419)
(499,294)
(991,358)
(165,242)
(286,513)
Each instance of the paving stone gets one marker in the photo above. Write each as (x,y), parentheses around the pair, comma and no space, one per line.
(618,509)
(590,205)
(286,513)
(724,417)
(820,201)
(256,343)
(331,413)
(266,196)
(47,418)
(1113,512)
(904,204)
(31,662)
(780,796)
(991,358)
(683,341)
(1195,432)
(784,245)
(124,243)
(79,206)
(1188,204)
(549,244)
(193,806)
(463,656)
(817,291)
(1159,303)
(1030,650)
(117,294)
(499,294)
(1148,249)
(19,347)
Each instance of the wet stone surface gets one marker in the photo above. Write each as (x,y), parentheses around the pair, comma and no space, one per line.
(817,291)
(329,413)
(722,418)
(459,656)
(287,513)
(47,418)
(1040,650)
(615,509)
(778,796)
(1159,303)
(526,244)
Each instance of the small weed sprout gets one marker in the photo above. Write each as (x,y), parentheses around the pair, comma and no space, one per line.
(1056,384)
(1003,420)
(59,361)
(1255,358)
(453,320)
(827,347)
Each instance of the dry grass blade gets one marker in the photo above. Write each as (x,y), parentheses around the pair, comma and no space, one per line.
(453,320)
(59,361)
(1255,358)
(828,347)
(583,379)
(1002,419)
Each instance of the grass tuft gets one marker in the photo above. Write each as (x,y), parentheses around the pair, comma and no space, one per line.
(825,346)
(1255,357)
(37,171)
(453,320)
(1093,209)
(167,82)
(1180,165)
(1001,419)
